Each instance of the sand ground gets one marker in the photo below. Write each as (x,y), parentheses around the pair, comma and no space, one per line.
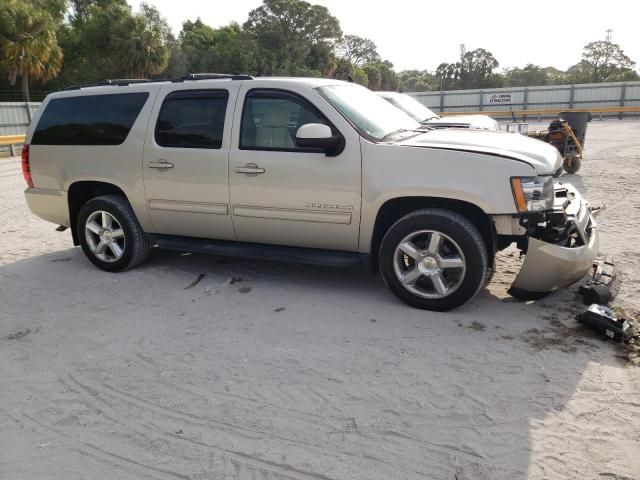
(280,372)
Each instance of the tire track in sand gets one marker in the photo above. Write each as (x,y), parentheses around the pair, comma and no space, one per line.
(257,468)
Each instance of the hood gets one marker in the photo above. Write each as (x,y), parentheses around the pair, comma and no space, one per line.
(540,155)
(478,122)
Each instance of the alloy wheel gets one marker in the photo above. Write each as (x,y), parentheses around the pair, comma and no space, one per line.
(105,236)
(429,264)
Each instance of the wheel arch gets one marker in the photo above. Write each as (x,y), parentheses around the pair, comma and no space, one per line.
(81,192)
(394,209)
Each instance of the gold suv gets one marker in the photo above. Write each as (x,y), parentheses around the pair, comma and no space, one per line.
(305,170)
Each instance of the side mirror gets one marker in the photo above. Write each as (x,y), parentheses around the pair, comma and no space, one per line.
(317,135)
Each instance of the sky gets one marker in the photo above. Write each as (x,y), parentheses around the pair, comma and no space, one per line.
(421,34)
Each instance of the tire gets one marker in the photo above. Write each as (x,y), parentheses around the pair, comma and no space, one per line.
(124,243)
(441,256)
(572,165)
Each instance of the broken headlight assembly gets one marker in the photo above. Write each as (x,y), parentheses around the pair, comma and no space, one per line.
(532,194)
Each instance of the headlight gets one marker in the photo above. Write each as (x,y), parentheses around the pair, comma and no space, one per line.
(532,194)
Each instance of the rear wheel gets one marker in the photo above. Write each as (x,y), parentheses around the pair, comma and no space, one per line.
(110,235)
(572,164)
(434,259)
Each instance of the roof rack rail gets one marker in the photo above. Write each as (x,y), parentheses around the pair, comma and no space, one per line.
(215,76)
(123,82)
(119,82)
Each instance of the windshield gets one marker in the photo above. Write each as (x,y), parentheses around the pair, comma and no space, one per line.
(372,115)
(413,107)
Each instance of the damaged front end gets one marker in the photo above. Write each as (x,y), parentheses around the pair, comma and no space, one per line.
(560,245)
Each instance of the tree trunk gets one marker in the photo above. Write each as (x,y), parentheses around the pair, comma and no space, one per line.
(25,86)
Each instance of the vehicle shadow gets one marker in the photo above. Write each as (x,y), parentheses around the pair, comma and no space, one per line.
(201,367)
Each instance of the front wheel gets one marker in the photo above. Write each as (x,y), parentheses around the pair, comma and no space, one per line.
(110,234)
(434,259)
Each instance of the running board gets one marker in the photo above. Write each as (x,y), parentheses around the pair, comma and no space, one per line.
(311,256)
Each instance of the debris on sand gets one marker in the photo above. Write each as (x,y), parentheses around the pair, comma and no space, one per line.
(632,347)
(603,284)
(480,327)
(604,321)
(195,282)
(18,335)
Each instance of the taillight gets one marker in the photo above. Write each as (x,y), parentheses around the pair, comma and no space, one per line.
(26,169)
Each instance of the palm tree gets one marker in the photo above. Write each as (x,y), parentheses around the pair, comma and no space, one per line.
(28,45)
(144,43)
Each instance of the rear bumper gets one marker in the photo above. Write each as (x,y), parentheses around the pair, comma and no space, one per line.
(549,266)
(50,205)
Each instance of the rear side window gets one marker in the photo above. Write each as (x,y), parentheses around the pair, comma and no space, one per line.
(192,119)
(89,120)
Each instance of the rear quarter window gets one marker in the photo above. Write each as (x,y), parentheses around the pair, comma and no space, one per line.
(89,120)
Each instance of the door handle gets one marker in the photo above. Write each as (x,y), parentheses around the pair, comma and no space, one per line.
(162,164)
(249,169)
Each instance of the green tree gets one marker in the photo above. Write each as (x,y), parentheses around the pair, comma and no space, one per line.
(177,64)
(374,76)
(418,81)
(474,70)
(28,44)
(532,75)
(227,49)
(357,50)
(109,41)
(604,61)
(143,43)
(388,77)
(360,76)
(287,31)
(448,75)
(340,68)
(81,10)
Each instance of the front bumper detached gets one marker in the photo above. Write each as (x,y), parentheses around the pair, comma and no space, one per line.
(562,250)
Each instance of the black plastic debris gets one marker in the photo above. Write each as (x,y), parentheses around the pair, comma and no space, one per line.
(603,320)
(604,284)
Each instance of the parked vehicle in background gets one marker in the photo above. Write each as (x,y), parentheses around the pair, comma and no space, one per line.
(427,117)
(310,170)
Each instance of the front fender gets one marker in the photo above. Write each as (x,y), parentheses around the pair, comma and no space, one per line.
(391,171)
